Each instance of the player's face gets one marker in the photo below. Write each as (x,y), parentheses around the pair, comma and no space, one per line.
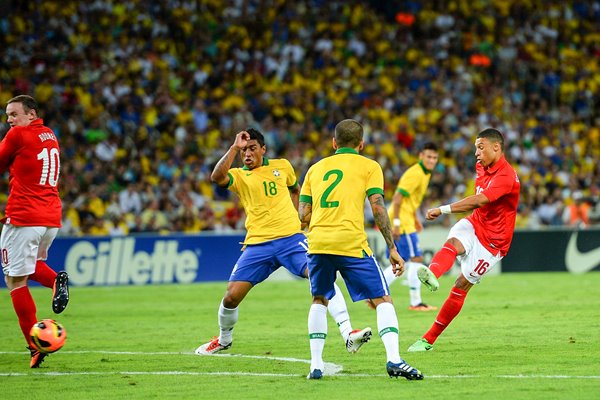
(16,115)
(429,158)
(486,152)
(252,154)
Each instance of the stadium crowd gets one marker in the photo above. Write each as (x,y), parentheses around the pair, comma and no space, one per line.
(145,96)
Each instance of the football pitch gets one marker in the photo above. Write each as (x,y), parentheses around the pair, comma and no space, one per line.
(519,336)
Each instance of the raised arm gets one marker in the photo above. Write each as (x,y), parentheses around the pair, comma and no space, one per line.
(220,174)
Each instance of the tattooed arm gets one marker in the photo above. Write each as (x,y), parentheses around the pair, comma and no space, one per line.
(305,213)
(383,223)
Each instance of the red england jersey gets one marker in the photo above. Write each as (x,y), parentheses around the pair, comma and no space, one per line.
(495,222)
(32,156)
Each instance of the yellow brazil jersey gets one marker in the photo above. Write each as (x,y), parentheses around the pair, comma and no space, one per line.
(264,194)
(336,187)
(413,187)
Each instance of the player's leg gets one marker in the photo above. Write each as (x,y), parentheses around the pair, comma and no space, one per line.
(19,249)
(59,282)
(444,259)
(387,325)
(415,257)
(476,262)
(364,278)
(44,275)
(322,274)
(254,266)
(448,312)
(292,255)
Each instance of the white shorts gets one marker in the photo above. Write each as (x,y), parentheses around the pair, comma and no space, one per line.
(477,260)
(22,246)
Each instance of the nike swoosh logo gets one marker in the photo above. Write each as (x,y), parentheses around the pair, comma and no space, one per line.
(578,262)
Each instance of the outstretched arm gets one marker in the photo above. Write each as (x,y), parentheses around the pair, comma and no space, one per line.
(467,204)
(219,174)
(383,223)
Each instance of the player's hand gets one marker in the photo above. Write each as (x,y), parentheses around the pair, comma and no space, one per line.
(397,262)
(433,213)
(241,140)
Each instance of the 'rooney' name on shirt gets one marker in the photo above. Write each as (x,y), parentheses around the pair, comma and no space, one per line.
(47,136)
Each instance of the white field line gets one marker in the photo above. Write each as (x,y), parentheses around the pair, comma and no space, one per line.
(330,368)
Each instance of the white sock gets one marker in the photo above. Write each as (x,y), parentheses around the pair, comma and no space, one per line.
(339,311)
(317,332)
(227,319)
(387,324)
(414,284)
(389,275)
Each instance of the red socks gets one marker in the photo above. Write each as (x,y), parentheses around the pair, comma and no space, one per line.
(449,310)
(25,308)
(43,274)
(443,260)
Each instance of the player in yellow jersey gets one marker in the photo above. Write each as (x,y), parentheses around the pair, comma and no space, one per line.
(408,197)
(268,191)
(332,204)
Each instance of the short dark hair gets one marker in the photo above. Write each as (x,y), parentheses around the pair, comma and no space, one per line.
(256,135)
(348,133)
(493,135)
(28,102)
(430,146)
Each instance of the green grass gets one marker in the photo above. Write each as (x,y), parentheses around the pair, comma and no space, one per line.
(519,336)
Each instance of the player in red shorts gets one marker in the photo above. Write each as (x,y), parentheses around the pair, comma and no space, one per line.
(478,241)
(31,154)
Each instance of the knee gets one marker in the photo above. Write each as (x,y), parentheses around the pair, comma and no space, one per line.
(14,282)
(462,283)
(230,300)
(380,300)
(320,300)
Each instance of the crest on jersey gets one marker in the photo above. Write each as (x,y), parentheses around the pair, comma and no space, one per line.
(276,172)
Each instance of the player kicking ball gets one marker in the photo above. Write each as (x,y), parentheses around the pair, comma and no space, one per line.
(478,241)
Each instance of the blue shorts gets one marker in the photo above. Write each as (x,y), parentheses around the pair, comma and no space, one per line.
(259,261)
(363,276)
(408,246)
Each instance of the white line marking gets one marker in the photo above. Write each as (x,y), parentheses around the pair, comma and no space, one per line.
(330,368)
(243,373)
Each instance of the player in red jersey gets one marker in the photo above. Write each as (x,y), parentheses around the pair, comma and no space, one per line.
(478,241)
(31,154)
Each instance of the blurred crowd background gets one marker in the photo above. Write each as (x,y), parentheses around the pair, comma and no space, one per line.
(146,96)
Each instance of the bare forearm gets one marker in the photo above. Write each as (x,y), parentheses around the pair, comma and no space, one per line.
(219,174)
(295,195)
(469,203)
(381,219)
(305,213)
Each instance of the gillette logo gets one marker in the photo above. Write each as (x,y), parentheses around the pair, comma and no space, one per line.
(115,262)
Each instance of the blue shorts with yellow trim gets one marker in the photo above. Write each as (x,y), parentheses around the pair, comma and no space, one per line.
(363,276)
(259,261)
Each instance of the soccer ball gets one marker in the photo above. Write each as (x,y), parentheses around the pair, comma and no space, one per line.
(48,336)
